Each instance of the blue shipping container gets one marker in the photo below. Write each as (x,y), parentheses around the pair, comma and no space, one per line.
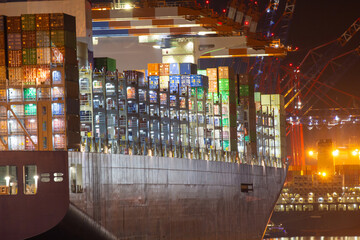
(174,68)
(175,80)
(188,68)
(153,96)
(198,81)
(185,80)
(153,82)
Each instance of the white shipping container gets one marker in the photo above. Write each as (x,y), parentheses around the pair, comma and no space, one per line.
(18,110)
(164,82)
(16,142)
(265,99)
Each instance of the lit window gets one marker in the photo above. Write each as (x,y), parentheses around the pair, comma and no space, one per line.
(30,179)
(8,180)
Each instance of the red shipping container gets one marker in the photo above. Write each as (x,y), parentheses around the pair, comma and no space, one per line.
(14,58)
(42,22)
(2,75)
(28,39)
(224,72)
(13,24)
(14,41)
(164,69)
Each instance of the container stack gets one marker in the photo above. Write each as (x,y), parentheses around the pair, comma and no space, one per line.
(154,108)
(214,115)
(99,111)
(41,94)
(246,127)
(122,107)
(86,108)
(273,133)
(3,77)
(228,99)
(198,124)
(180,91)
(112,116)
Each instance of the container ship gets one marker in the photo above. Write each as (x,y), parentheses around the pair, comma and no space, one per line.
(170,152)
(323,200)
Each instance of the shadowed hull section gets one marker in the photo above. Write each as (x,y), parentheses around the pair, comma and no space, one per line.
(140,197)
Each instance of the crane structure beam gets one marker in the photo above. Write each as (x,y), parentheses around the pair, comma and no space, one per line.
(350,32)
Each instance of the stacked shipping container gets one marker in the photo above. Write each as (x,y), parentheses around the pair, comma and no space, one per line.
(41,94)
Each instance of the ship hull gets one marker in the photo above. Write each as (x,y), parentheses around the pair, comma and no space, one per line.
(319,223)
(141,197)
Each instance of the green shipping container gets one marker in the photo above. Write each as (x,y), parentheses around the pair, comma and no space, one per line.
(257,96)
(247,138)
(244,90)
(214,96)
(108,63)
(227,97)
(28,22)
(201,72)
(61,38)
(200,92)
(29,94)
(29,56)
(226,145)
(226,84)
(200,106)
(30,109)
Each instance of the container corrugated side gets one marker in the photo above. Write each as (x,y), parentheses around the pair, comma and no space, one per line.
(42,22)
(2,23)
(28,39)
(14,58)
(15,76)
(29,56)
(61,38)
(63,55)
(62,21)
(2,57)
(43,55)
(28,22)
(2,40)
(14,41)
(42,39)
(13,24)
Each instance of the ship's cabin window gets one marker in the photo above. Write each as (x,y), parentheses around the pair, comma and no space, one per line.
(308,207)
(76,178)
(8,180)
(352,207)
(289,208)
(332,207)
(298,208)
(58,177)
(342,207)
(30,179)
(323,207)
(45,177)
(279,208)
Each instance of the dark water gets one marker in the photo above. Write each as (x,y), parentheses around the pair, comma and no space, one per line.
(315,238)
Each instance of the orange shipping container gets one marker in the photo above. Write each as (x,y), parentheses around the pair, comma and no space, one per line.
(2,75)
(164,69)
(213,86)
(15,58)
(153,69)
(224,72)
(29,75)
(43,55)
(212,74)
